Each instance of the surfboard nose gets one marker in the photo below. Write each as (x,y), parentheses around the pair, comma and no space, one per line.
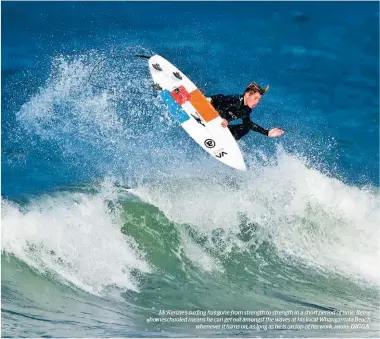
(242,167)
(234,160)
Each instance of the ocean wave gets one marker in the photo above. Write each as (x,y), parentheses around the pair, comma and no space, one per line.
(76,238)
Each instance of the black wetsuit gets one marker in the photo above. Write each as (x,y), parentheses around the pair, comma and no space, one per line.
(231,107)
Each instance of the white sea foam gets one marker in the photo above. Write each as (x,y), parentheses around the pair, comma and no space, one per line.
(75,237)
(306,214)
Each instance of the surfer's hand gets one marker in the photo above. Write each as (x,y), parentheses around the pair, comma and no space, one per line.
(275,132)
(224,123)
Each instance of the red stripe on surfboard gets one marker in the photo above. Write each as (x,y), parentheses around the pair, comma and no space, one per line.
(180,95)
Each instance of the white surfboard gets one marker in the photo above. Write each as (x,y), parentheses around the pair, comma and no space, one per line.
(197,116)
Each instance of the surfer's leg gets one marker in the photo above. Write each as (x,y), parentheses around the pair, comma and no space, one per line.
(239,130)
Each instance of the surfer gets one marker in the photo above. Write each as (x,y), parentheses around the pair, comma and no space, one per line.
(232,107)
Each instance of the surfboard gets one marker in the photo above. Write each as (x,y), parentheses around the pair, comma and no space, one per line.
(191,109)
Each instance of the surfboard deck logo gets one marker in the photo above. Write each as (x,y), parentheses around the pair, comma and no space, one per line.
(190,108)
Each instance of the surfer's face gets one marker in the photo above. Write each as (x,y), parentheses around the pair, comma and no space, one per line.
(251,99)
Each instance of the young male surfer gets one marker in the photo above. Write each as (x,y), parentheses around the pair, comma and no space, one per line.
(232,107)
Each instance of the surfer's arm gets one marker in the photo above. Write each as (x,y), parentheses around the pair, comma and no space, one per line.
(219,101)
(254,127)
(272,133)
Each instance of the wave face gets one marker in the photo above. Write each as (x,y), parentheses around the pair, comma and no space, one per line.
(173,253)
(111,213)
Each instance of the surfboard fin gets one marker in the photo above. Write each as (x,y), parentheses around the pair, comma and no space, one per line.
(157,67)
(157,87)
(177,75)
(198,120)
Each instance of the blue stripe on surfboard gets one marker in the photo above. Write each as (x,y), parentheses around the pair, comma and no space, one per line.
(174,109)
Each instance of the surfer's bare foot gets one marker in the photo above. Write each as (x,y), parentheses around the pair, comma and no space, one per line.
(224,123)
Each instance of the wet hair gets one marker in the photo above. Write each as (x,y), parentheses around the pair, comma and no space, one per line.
(253,86)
